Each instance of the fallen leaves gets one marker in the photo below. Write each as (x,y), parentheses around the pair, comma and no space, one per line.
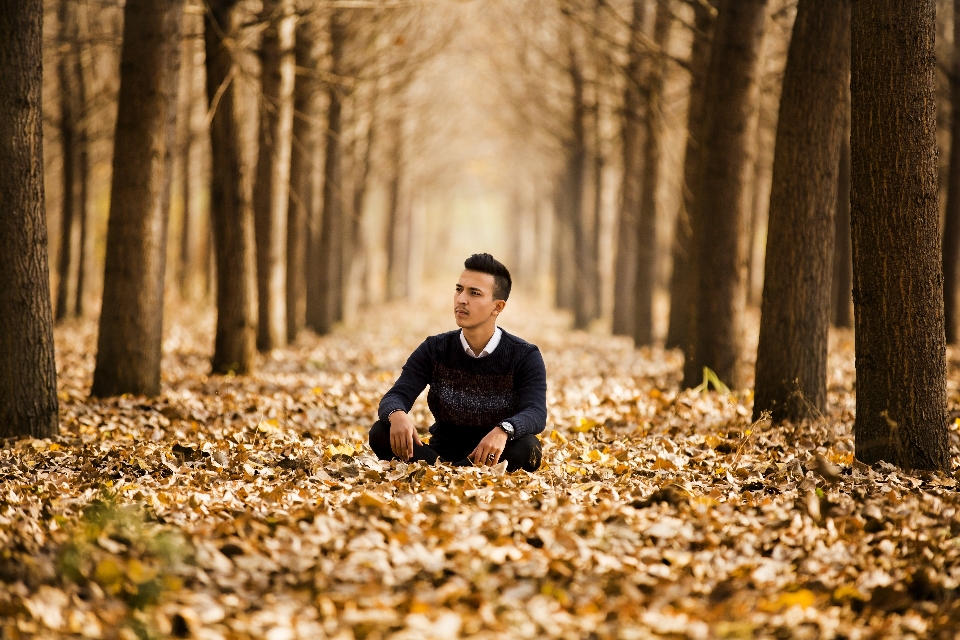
(253,508)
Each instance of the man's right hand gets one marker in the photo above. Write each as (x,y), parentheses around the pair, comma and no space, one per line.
(403,434)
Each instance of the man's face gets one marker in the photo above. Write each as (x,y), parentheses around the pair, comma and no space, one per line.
(473,303)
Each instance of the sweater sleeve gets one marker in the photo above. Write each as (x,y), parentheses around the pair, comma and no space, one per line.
(413,379)
(531,376)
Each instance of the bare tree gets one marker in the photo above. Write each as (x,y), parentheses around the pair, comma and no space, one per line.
(895,222)
(730,99)
(131,320)
(230,199)
(28,374)
(791,380)
(271,190)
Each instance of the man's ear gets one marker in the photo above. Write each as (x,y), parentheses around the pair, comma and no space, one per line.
(498,306)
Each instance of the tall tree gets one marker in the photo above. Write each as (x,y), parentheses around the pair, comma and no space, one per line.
(842,307)
(332,229)
(895,224)
(574,178)
(632,134)
(683,274)
(306,109)
(131,320)
(951,230)
(69,147)
(645,279)
(398,211)
(271,190)
(730,99)
(28,373)
(791,380)
(230,199)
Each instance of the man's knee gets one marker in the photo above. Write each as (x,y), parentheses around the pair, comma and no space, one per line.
(379,439)
(525,453)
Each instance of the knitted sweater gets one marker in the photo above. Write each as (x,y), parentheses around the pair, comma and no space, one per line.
(474,393)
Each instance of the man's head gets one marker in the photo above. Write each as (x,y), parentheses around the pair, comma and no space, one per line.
(482,291)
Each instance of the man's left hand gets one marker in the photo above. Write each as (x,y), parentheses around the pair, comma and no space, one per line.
(490,448)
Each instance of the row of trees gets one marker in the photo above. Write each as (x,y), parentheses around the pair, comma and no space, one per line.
(876,116)
(303,104)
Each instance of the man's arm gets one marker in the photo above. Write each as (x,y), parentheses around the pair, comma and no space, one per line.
(531,383)
(413,379)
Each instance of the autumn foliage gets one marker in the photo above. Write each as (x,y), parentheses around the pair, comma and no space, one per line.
(251,507)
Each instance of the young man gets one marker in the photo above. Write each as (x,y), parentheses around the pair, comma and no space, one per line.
(488,389)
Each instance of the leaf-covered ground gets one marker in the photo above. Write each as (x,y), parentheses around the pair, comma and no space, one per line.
(252,507)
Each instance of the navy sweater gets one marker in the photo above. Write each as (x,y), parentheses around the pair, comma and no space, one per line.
(468,393)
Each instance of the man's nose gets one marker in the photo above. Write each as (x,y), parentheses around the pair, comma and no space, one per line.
(461,297)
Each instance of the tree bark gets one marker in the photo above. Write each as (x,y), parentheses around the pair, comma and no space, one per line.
(332,230)
(645,279)
(271,190)
(791,380)
(82,143)
(895,224)
(951,229)
(131,320)
(28,373)
(842,259)
(230,200)
(683,274)
(302,175)
(730,99)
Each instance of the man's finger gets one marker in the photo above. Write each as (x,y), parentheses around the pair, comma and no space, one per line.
(416,438)
(409,444)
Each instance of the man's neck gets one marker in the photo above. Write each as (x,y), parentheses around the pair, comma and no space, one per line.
(478,337)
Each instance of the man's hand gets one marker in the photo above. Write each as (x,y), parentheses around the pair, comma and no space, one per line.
(402,435)
(490,448)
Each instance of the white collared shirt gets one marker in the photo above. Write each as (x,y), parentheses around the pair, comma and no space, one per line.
(487,350)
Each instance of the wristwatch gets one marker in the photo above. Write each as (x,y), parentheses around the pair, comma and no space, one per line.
(507,429)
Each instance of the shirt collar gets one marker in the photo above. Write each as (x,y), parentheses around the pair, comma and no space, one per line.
(487,350)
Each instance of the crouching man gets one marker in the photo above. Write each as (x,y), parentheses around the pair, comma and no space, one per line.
(488,388)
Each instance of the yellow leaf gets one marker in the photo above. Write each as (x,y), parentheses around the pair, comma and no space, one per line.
(340,449)
(655,393)
(556,436)
(713,441)
(54,447)
(317,390)
(663,463)
(584,425)
(803,598)
(368,499)
(847,592)
(592,456)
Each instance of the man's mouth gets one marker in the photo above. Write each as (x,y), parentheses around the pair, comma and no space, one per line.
(459,311)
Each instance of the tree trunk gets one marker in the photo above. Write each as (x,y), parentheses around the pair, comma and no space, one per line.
(632,144)
(28,373)
(356,259)
(397,213)
(82,143)
(730,99)
(131,320)
(306,113)
(230,205)
(842,259)
(332,231)
(791,380)
(69,115)
(951,229)
(683,274)
(185,144)
(271,191)
(895,224)
(575,177)
(646,276)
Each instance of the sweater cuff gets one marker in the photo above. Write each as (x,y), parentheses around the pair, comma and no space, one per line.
(387,408)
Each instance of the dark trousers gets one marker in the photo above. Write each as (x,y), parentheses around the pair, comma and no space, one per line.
(522,453)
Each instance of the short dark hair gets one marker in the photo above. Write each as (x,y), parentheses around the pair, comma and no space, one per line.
(486,263)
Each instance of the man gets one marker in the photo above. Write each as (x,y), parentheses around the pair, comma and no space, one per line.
(488,389)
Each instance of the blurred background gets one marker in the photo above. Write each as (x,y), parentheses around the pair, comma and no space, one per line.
(460,126)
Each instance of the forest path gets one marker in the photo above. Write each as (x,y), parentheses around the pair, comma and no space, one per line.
(252,508)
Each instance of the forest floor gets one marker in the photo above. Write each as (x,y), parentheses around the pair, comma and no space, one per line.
(251,507)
